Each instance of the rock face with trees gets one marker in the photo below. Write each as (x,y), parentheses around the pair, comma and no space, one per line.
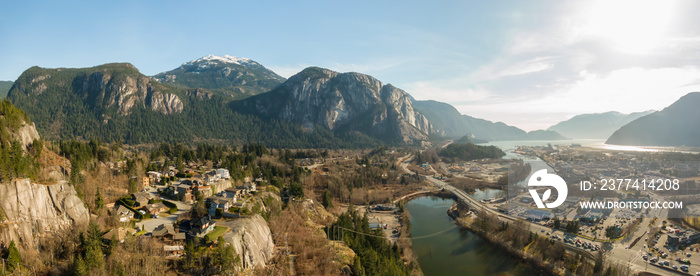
(37,210)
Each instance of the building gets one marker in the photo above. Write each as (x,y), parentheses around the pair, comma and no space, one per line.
(219,202)
(167,234)
(118,233)
(184,192)
(174,250)
(124,214)
(146,182)
(683,238)
(230,193)
(247,187)
(154,176)
(141,199)
(198,227)
(537,215)
(155,208)
(223,174)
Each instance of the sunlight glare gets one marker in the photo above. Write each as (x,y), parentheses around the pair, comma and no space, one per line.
(635,27)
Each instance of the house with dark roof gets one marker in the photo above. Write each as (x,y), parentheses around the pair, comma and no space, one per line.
(141,199)
(247,187)
(198,227)
(167,233)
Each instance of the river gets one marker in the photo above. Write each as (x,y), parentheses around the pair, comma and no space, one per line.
(444,249)
(455,251)
(458,251)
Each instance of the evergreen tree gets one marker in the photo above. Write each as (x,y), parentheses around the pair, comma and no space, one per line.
(357,268)
(327,199)
(99,202)
(13,256)
(79,267)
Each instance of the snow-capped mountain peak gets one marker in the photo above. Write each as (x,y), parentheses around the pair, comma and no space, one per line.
(210,59)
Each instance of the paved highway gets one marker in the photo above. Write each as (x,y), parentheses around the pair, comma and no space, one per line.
(619,253)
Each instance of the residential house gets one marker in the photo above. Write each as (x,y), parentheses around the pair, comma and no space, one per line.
(247,187)
(231,193)
(184,191)
(167,233)
(141,199)
(118,233)
(155,208)
(124,214)
(223,173)
(211,176)
(154,176)
(198,227)
(146,182)
(218,202)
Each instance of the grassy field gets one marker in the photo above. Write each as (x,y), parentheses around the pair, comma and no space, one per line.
(217,232)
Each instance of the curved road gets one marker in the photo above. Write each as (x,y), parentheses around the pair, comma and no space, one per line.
(632,256)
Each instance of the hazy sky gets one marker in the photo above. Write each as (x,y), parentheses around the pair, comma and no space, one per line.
(526,63)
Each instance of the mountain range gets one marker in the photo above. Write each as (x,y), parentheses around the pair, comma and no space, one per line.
(446,118)
(596,125)
(239,100)
(675,125)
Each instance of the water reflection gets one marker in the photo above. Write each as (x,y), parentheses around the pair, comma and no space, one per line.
(457,251)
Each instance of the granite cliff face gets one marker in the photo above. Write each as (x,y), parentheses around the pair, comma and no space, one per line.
(32,211)
(118,86)
(252,240)
(26,134)
(318,97)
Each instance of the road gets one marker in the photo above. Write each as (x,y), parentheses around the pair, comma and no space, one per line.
(619,253)
(476,204)
(165,218)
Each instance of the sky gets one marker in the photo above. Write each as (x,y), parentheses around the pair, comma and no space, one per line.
(529,64)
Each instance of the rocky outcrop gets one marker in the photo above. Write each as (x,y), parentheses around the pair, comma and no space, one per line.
(124,91)
(26,134)
(118,85)
(166,103)
(31,211)
(252,240)
(342,102)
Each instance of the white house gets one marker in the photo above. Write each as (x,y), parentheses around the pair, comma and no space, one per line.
(223,173)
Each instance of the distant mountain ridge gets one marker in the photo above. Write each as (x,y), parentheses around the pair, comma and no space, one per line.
(4,88)
(225,75)
(596,125)
(676,125)
(445,117)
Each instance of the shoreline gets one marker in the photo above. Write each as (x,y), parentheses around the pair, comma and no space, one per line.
(405,241)
(542,268)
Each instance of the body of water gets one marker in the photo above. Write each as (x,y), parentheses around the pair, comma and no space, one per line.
(509,146)
(456,251)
